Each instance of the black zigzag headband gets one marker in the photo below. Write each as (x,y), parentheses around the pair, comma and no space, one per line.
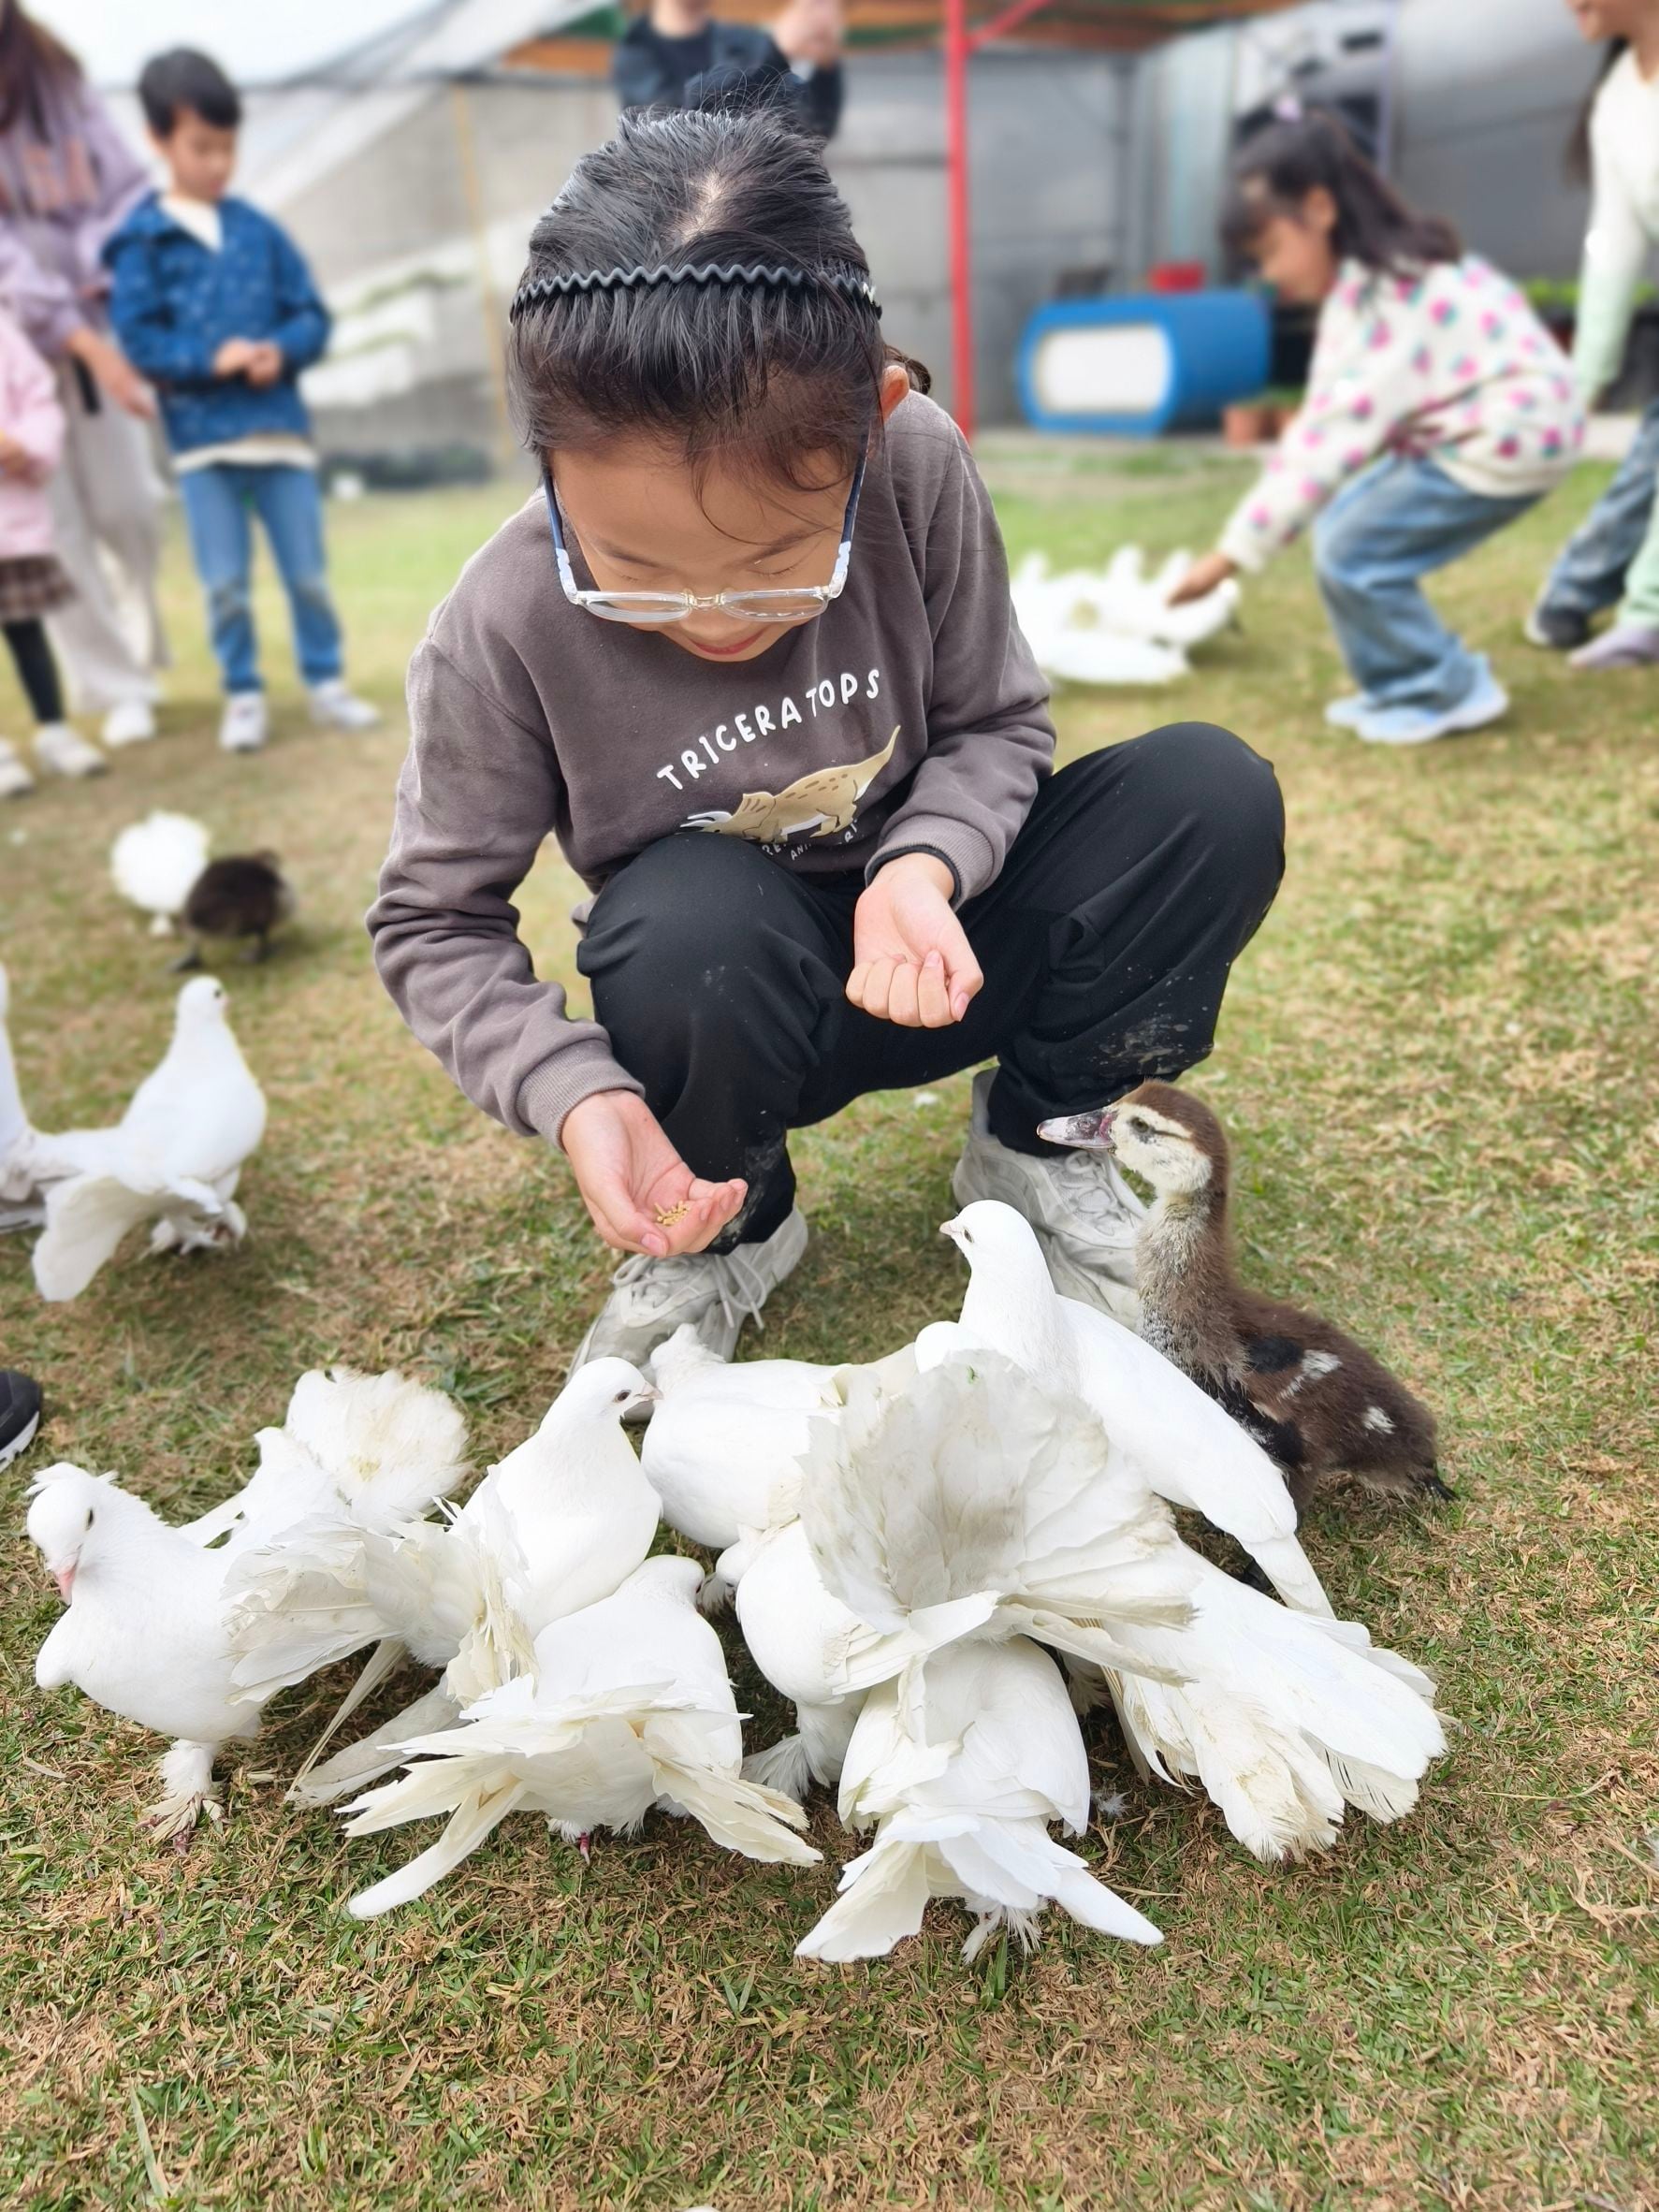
(538,292)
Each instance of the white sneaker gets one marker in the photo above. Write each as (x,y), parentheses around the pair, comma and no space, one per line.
(333,708)
(245,723)
(715,1291)
(15,779)
(133,722)
(1085,1216)
(1345,713)
(63,752)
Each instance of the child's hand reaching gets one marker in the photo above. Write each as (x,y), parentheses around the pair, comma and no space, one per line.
(234,356)
(15,457)
(631,1178)
(912,961)
(1206,576)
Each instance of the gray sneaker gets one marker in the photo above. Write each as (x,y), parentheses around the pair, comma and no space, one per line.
(1085,1216)
(715,1291)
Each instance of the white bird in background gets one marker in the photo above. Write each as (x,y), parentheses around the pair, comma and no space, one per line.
(156,863)
(961,1791)
(1114,625)
(1189,1450)
(723,1444)
(175,1159)
(146,1630)
(628,1706)
(555,1525)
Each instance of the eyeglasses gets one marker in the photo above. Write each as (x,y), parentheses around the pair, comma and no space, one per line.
(656,610)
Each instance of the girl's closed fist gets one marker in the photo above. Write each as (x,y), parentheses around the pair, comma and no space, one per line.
(912,961)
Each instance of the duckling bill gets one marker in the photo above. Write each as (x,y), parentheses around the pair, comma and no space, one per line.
(1316,1402)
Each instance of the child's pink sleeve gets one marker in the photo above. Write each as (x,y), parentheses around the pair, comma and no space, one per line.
(34,415)
(1358,395)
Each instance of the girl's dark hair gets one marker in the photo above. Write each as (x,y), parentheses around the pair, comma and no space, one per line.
(764,371)
(183,82)
(1275,171)
(31,61)
(1577,145)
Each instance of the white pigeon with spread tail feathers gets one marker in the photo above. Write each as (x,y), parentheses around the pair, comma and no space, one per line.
(154,864)
(961,1792)
(173,1161)
(975,1493)
(147,1626)
(1189,1450)
(627,1706)
(976,1479)
(553,1527)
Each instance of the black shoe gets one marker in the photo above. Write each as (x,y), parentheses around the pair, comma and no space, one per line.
(1558,630)
(20,1413)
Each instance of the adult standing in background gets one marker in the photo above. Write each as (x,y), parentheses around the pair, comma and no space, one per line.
(675,55)
(67,178)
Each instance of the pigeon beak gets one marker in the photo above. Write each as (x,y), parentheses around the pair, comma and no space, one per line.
(64,1579)
(642,1400)
(1084,1131)
(947,1229)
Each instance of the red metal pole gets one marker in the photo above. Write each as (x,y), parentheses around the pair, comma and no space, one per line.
(956,51)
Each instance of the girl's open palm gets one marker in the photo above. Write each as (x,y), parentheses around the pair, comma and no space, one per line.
(912,961)
(631,1176)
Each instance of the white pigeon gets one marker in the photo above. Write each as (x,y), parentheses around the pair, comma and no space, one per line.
(818,1653)
(723,1446)
(628,1706)
(154,864)
(978,1502)
(146,1630)
(961,1804)
(1286,1717)
(555,1525)
(175,1157)
(1188,1448)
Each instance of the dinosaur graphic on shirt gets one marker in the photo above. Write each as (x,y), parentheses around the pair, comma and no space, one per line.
(823,802)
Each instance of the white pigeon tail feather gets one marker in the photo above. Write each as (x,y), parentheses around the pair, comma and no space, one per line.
(372,1756)
(87,1217)
(883,1896)
(478,1814)
(744,1815)
(393,1447)
(154,862)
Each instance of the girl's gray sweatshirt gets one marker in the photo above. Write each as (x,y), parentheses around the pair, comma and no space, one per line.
(910,716)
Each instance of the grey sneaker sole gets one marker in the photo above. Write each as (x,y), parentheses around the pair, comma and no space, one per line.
(20,1442)
(1101,1273)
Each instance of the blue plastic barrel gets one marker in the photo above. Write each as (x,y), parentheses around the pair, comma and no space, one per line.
(1142,362)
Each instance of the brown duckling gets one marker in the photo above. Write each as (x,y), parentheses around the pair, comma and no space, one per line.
(1316,1402)
(243,896)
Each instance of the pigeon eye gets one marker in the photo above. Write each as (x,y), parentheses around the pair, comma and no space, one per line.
(621,1398)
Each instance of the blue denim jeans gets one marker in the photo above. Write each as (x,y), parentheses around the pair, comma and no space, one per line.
(1395,523)
(220,503)
(1601,563)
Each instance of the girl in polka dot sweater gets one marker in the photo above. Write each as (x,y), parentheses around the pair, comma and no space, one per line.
(1438,409)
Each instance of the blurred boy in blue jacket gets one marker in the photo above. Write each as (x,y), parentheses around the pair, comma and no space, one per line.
(213,303)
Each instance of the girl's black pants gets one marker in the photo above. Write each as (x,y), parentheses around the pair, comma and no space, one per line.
(1140,875)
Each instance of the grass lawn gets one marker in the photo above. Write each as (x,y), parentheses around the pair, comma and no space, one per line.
(1439,1062)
